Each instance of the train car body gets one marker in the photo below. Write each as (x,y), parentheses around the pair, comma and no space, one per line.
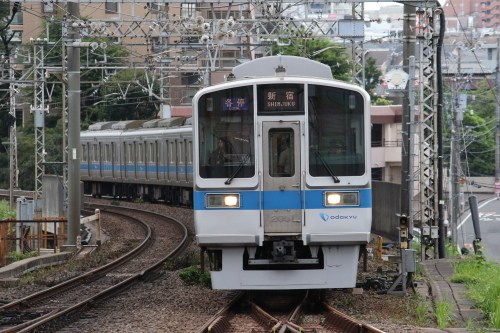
(282,185)
(129,160)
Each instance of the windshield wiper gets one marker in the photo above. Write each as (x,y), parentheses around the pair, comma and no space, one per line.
(230,179)
(327,167)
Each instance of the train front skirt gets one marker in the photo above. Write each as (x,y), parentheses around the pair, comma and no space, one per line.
(339,271)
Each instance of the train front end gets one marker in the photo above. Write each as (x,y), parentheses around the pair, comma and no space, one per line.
(282,182)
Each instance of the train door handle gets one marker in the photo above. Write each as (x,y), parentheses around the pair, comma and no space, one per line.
(296,185)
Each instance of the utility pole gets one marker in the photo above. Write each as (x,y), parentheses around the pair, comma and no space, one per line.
(13,167)
(497,116)
(409,41)
(455,154)
(74,195)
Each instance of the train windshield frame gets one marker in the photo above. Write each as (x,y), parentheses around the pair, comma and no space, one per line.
(336,131)
(226,132)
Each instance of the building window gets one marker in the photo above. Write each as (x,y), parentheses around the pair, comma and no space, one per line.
(48,7)
(18,18)
(188,10)
(111,7)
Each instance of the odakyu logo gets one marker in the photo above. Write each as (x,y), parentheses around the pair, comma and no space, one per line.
(326,217)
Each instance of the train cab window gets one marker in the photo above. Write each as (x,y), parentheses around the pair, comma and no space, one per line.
(226,135)
(281,155)
(336,132)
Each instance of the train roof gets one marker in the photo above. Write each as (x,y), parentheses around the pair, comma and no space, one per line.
(155,131)
(294,66)
(151,123)
(102,126)
(128,124)
(171,122)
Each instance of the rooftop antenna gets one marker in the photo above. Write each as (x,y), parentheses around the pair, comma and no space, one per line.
(280,70)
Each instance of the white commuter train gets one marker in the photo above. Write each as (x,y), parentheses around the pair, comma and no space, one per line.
(281,172)
(151,160)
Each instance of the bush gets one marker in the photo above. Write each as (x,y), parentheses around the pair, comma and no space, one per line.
(192,276)
(5,211)
(188,259)
(16,256)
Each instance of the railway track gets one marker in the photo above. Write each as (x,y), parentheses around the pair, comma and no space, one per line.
(157,240)
(283,312)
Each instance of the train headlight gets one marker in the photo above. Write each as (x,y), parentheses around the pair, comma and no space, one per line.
(341,198)
(222,200)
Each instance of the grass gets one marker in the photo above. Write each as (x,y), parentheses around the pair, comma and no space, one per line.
(482,279)
(444,315)
(5,211)
(421,311)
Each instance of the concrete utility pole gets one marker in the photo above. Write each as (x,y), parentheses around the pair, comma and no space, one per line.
(409,40)
(497,116)
(455,153)
(74,195)
(13,169)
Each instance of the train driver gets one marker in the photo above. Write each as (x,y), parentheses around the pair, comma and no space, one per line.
(217,156)
(285,160)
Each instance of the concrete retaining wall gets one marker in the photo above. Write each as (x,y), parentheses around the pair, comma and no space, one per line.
(30,264)
(386,203)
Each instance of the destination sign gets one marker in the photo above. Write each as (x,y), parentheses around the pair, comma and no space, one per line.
(235,104)
(280,98)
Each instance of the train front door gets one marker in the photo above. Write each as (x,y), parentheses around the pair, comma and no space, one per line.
(282,198)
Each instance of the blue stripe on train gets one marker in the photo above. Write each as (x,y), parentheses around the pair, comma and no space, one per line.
(250,200)
(139,168)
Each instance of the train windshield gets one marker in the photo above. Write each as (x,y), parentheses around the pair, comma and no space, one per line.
(336,132)
(226,127)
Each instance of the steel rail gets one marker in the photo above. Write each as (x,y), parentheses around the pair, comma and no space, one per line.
(80,279)
(77,309)
(338,320)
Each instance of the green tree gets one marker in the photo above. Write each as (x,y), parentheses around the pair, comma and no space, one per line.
(381,100)
(321,50)
(111,55)
(135,105)
(478,131)
(372,75)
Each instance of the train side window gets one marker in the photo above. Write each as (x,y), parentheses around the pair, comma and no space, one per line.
(95,152)
(181,152)
(189,156)
(130,151)
(106,153)
(151,152)
(172,153)
(113,152)
(157,152)
(84,153)
(140,153)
